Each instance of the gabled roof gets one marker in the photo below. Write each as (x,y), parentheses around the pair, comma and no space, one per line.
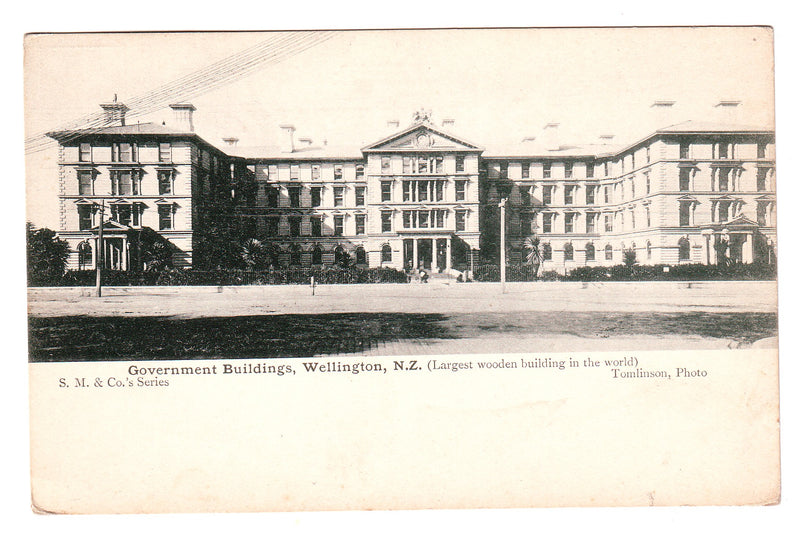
(405,140)
(693,126)
(301,153)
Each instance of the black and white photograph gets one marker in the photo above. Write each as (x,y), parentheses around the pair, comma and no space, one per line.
(333,247)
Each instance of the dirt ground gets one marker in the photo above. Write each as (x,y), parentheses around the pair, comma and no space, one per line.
(413,319)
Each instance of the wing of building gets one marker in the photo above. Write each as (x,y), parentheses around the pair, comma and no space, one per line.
(421,196)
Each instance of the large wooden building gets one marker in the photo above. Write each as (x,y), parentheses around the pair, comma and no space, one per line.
(421,196)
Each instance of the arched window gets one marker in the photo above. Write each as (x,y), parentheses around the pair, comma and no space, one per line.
(547,252)
(386,253)
(568,252)
(361,255)
(683,249)
(84,255)
(295,255)
(339,255)
(316,255)
(609,252)
(589,251)
(649,248)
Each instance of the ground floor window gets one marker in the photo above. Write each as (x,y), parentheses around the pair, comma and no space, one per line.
(589,251)
(547,252)
(568,252)
(84,255)
(361,255)
(386,253)
(316,255)
(609,252)
(683,249)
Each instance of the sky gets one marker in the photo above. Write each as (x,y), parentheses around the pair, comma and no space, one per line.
(498,85)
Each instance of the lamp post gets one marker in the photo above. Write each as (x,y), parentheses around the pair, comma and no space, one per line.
(502,206)
(100,251)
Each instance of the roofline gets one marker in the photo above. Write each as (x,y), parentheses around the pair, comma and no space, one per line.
(412,127)
(666,131)
(80,133)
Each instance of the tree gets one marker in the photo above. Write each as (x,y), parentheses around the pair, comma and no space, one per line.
(534,255)
(629,257)
(47,255)
(255,255)
(153,252)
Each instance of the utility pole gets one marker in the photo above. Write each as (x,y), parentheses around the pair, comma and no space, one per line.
(502,206)
(100,252)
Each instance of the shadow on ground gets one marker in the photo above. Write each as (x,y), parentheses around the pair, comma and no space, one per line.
(281,336)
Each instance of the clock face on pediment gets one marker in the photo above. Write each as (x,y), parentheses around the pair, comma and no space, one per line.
(422,138)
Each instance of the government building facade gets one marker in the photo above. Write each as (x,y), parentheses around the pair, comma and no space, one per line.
(420,197)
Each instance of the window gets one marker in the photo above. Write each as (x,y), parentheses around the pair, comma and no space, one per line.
(633,161)
(295,255)
(85,213)
(294,197)
(407,165)
(124,152)
(84,255)
(85,152)
(359,172)
(439,164)
(524,195)
(568,252)
(761,213)
(338,225)
(590,194)
(607,194)
(590,170)
(609,252)
(316,255)
(504,169)
(315,172)
(316,196)
(568,170)
(647,215)
(589,251)
(294,226)
(272,196)
(461,189)
(761,151)
(164,182)
(360,195)
(294,172)
(272,226)
(605,168)
(685,213)
(422,190)
(723,175)
(569,222)
(547,223)
(683,249)
(316,226)
(438,191)
(723,213)
(85,183)
(459,164)
(569,194)
(338,172)
(633,219)
(722,151)
(761,179)
(361,221)
(609,223)
(124,183)
(547,194)
(386,221)
(547,170)
(647,183)
(361,255)
(684,179)
(386,165)
(461,220)
(591,222)
(338,196)
(647,154)
(165,217)
(386,253)
(684,150)
(386,191)
(165,152)
(526,169)
(547,252)
(649,250)
(633,187)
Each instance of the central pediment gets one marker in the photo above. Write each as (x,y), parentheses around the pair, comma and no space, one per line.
(422,137)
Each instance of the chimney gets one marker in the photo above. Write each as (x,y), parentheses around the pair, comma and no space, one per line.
(606,138)
(114,112)
(728,110)
(393,124)
(182,116)
(550,137)
(662,111)
(529,139)
(305,142)
(230,141)
(448,123)
(287,144)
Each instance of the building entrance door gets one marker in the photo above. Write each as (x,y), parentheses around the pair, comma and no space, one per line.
(425,246)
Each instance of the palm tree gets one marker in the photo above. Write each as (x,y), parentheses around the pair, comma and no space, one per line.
(534,254)
(253,253)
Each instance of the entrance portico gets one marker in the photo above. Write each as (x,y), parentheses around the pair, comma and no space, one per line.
(733,241)
(430,252)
